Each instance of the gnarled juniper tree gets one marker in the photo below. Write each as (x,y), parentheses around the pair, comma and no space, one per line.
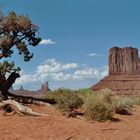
(6,68)
(16,31)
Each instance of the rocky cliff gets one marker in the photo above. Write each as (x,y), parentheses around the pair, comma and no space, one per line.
(123,61)
(124,72)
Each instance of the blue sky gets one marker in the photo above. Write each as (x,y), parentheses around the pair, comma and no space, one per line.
(77,35)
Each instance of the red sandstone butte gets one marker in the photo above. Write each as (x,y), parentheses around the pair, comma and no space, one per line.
(124,72)
(123,61)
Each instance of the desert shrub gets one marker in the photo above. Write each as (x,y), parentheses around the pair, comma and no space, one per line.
(98,106)
(84,93)
(81,93)
(56,93)
(96,109)
(68,100)
(122,105)
(118,104)
(106,95)
(137,101)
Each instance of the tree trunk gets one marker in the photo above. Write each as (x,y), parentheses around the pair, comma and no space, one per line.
(10,106)
(7,84)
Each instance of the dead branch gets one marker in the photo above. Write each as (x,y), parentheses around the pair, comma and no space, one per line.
(19,108)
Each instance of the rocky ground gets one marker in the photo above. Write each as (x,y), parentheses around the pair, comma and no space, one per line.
(55,126)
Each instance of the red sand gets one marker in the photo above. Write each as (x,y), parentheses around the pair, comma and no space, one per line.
(58,127)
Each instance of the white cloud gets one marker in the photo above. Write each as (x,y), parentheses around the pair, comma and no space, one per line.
(61,76)
(27,78)
(47,42)
(85,73)
(55,71)
(51,69)
(90,73)
(93,54)
(53,66)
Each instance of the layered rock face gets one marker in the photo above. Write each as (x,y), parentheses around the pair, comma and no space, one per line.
(123,61)
(124,72)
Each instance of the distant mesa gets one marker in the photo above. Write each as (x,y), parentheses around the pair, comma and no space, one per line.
(38,94)
(124,72)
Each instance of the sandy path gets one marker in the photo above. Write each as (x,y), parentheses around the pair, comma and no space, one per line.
(58,127)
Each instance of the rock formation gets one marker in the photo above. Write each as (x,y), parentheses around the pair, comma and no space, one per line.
(123,61)
(124,72)
(37,94)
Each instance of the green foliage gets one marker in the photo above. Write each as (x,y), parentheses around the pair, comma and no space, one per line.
(122,105)
(84,93)
(119,105)
(137,101)
(67,101)
(19,31)
(56,93)
(97,110)
(106,95)
(102,105)
(98,106)
(6,68)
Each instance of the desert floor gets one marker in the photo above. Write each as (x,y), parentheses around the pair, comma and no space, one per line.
(55,126)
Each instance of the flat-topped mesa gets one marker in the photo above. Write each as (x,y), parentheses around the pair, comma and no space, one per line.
(124,73)
(124,61)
